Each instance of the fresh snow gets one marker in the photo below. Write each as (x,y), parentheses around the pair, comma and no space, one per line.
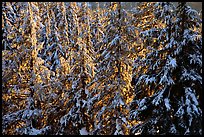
(166,101)
(173,63)
(83,131)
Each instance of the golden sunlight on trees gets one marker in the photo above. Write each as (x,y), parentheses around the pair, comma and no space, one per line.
(96,68)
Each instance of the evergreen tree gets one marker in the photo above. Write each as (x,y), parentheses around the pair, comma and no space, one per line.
(108,98)
(165,77)
(97,28)
(188,76)
(97,69)
(8,18)
(28,116)
(144,21)
(80,75)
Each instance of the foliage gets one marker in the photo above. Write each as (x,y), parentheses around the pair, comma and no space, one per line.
(68,69)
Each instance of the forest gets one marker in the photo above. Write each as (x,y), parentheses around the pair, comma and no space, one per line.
(68,69)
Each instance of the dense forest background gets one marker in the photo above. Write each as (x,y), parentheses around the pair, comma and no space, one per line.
(109,68)
(130,5)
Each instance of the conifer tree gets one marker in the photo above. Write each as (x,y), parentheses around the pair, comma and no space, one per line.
(29,115)
(80,75)
(8,18)
(188,77)
(80,68)
(165,77)
(73,30)
(144,20)
(97,28)
(110,83)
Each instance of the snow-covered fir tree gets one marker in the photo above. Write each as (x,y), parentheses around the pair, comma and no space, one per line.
(28,117)
(172,107)
(45,20)
(188,76)
(77,68)
(8,18)
(73,30)
(54,49)
(108,99)
(97,28)
(81,73)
